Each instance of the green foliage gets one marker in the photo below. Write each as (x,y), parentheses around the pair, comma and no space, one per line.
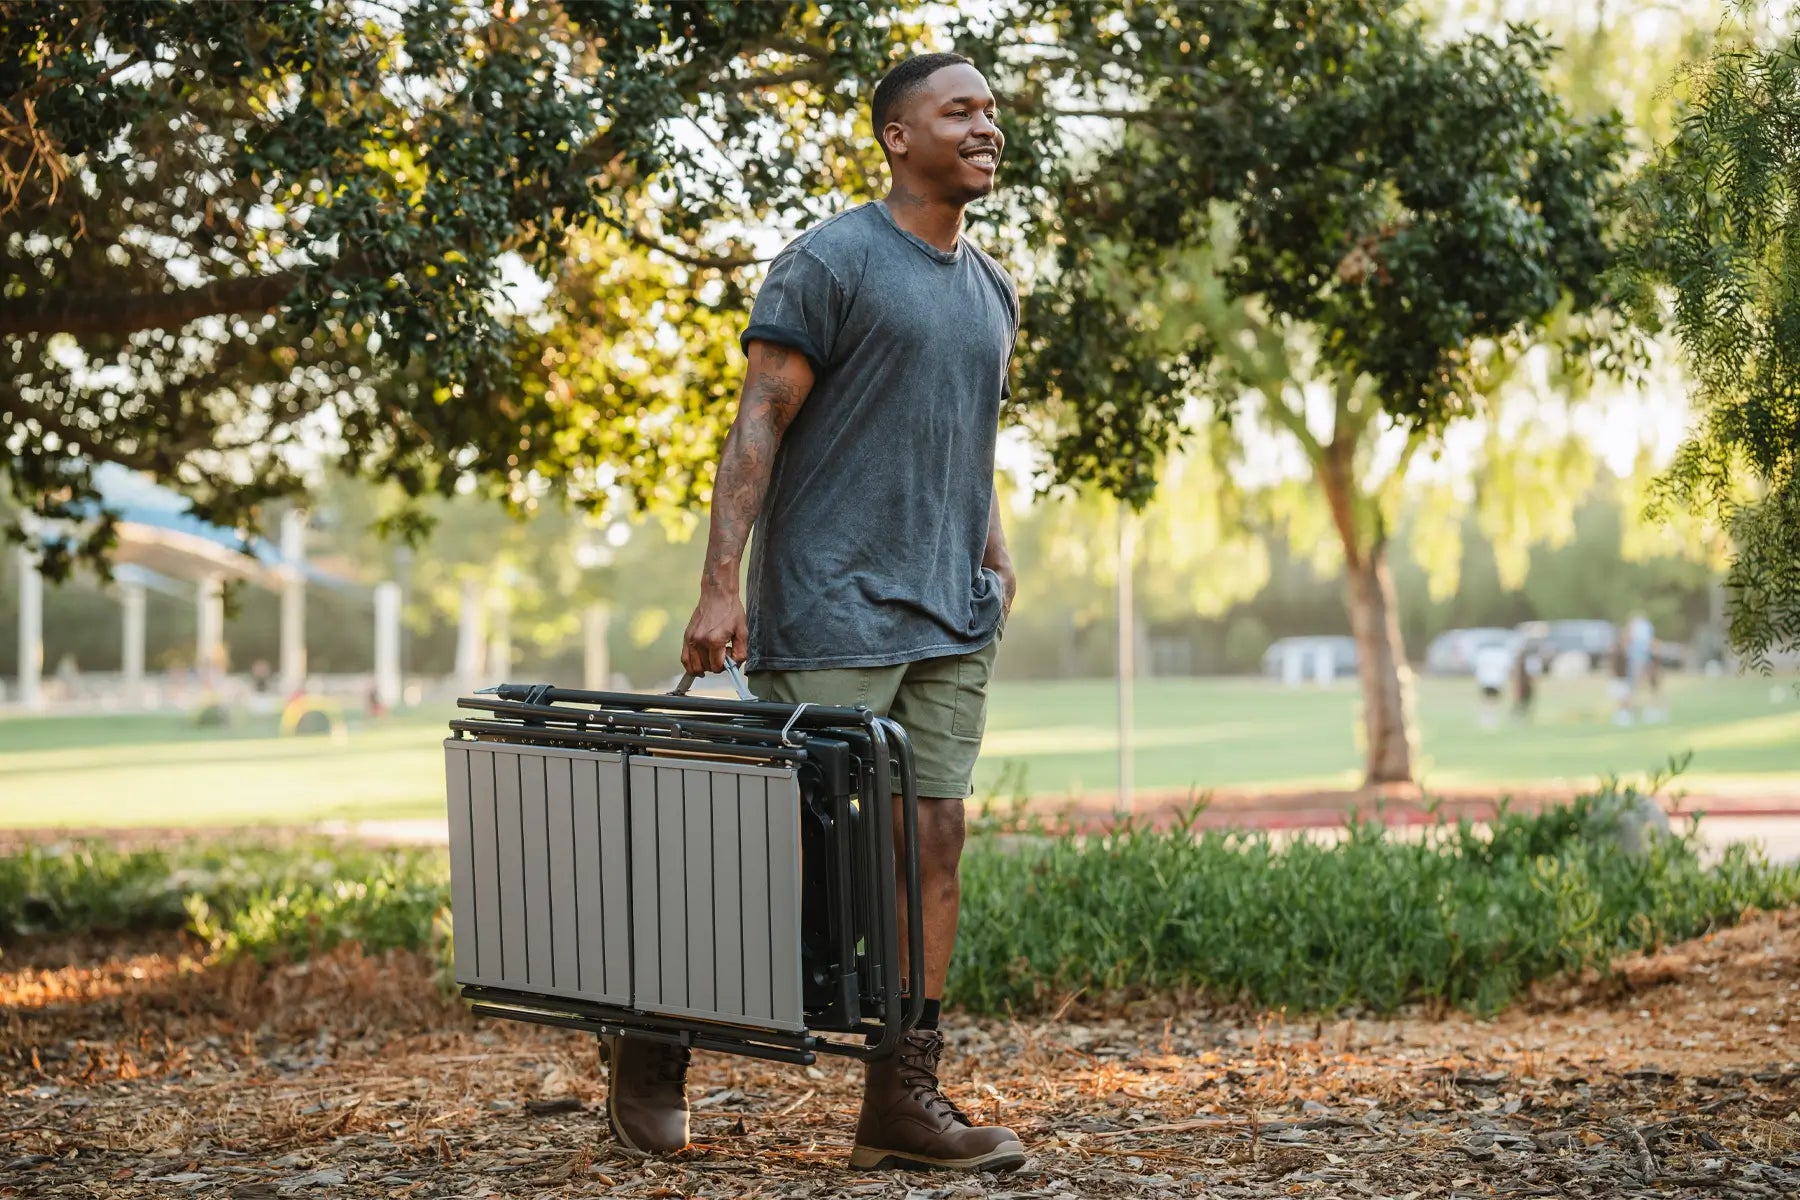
(1315,222)
(265,901)
(1404,204)
(387,901)
(1458,916)
(233,230)
(1717,228)
(1376,921)
(87,888)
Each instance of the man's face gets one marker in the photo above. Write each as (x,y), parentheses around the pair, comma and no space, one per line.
(946,139)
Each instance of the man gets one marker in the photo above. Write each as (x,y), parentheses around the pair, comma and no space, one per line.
(863,452)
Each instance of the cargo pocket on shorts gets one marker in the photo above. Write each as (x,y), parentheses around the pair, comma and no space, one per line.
(973,671)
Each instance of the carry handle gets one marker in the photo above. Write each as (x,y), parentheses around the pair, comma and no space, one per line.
(732,669)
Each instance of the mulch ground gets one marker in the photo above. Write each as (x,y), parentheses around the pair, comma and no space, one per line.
(127,1070)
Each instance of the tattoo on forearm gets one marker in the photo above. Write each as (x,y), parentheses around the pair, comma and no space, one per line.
(769,405)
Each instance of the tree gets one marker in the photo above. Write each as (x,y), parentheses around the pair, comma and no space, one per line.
(234,233)
(1716,230)
(1313,219)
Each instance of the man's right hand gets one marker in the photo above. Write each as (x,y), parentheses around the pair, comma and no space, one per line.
(718,622)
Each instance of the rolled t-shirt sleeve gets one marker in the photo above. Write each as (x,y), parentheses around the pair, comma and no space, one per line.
(1006,379)
(801,304)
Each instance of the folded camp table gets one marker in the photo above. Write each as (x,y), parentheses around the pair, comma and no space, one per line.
(712,872)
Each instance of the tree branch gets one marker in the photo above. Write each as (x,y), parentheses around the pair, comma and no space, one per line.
(109,312)
(715,262)
(1126,114)
(817,73)
(1342,499)
(793,46)
(1294,421)
(1414,440)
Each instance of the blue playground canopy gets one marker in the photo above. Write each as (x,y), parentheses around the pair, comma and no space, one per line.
(159,534)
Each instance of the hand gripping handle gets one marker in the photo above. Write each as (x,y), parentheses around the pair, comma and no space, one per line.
(732,669)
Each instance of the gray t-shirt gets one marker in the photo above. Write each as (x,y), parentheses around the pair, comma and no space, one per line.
(868,548)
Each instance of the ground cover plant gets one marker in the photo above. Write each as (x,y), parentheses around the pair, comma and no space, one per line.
(1457,915)
(1460,914)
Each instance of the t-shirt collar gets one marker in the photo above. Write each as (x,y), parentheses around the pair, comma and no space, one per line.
(943,256)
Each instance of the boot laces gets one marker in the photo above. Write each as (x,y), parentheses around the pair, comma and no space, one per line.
(919,1073)
(671,1066)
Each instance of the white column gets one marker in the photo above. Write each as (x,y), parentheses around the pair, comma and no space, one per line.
(31,628)
(468,638)
(292,671)
(132,606)
(596,670)
(499,652)
(387,644)
(209,632)
(1127,651)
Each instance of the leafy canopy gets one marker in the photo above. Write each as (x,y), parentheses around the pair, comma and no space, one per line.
(1717,233)
(234,232)
(1404,206)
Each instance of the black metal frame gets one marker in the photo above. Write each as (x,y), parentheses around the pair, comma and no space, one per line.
(871,1000)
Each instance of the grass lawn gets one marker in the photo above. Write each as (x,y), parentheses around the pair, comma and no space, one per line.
(1053,738)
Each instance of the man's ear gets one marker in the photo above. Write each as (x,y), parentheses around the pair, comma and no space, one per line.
(893,138)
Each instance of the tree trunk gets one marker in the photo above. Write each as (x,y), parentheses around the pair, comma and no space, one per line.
(1375,622)
(1381,663)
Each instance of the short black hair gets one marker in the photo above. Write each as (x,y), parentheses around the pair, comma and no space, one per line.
(899,84)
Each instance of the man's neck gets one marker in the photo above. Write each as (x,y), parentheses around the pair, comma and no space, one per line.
(934,221)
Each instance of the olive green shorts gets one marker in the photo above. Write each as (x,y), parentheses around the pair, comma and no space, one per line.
(940,702)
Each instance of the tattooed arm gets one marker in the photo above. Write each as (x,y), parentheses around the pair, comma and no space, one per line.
(774,389)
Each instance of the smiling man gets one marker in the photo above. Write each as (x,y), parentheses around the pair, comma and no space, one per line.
(863,454)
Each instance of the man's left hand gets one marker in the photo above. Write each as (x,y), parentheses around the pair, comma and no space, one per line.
(1009,585)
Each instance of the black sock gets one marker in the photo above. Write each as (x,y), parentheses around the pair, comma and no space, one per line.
(928,1019)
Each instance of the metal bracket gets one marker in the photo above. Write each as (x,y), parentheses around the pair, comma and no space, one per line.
(788,729)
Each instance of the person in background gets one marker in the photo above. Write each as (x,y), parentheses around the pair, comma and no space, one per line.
(1493,665)
(1653,705)
(1624,711)
(1640,640)
(1524,681)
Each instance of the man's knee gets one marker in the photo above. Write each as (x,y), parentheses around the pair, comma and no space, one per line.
(941,829)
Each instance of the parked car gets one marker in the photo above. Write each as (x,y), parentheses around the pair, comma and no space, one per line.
(1298,657)
(1453,651)
(1562,641)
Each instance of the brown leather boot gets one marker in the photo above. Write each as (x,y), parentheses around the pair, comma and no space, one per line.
(908,1123)
(646,1095)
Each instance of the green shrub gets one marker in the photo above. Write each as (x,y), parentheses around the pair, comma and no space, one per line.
(1451,914)
(383,900)
(1457,915)
(87,887)
(262,900)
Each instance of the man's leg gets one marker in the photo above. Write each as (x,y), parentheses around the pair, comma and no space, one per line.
(941,833)
(906,1119)
(646,1098)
